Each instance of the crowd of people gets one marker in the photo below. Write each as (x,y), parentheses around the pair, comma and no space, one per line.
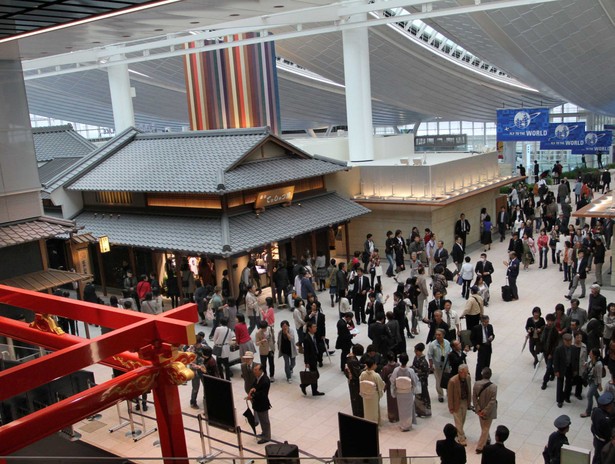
(575,343)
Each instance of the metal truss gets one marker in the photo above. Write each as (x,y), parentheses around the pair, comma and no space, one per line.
(335,17)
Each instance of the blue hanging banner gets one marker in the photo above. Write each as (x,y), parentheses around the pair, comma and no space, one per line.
(565,136)
(522,124)
(596,141)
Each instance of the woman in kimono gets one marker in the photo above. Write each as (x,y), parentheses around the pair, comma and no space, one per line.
(386,372)
(353,372)
(421,368)
(371,387)
(404,382)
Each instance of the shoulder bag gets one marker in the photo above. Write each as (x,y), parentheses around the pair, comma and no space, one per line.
(217,349)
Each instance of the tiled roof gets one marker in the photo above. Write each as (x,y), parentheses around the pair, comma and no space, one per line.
(184,162)
(179,233)
(43,280)
(32,230)
(60,142)
(248,231)
(204,235)
(52,168)
(277,170)
(90,161)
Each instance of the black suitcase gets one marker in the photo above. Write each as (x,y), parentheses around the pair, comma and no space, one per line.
(506,293)
(280,451)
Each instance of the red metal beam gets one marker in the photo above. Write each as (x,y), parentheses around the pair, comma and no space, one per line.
(22,331)
(42,370)
(187,313)
(33,427)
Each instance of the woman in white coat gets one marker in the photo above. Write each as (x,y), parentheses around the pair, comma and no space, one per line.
(404,384)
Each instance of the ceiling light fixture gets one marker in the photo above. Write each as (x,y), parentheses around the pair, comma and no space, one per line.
(91,19)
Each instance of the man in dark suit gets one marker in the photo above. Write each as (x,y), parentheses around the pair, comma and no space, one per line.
(516,244)
(462,228)
(440,256)
(484,269)
(434,305)
(361,287)
(565,367)
(512,272)
(498,452)
(580,274)
(458,252)
(596,306)
(380,335)
(502,222)
(310,357)
(482,336)
(344,337)
(318,319)
(436,324)
(259,395)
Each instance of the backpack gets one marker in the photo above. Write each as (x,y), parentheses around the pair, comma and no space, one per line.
(403,385)
(333,279)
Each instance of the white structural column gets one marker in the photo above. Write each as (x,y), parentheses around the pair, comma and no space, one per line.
(121,95)
(358,92)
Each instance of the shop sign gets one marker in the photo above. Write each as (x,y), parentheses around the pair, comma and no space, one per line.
(103,243)
(274,197)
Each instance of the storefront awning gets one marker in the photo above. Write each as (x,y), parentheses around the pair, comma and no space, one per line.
(42,280)
(603,207)
(84,238)
(32,230)
(246,231)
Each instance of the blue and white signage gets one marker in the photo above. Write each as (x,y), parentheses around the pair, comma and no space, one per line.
(522,124)
(564,136)
(596,141)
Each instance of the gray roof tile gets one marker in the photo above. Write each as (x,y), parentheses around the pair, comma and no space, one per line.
(90,161)
(275,171)
(279,223)
(185,162)
(34,229)
(180,233)
(193,161)
(52,168)
(60,142)
(204,235)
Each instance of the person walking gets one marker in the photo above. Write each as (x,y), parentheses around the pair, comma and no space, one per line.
(353,372)
(265,341)
(344,338)
(580,274)
(565,368)
(482,338)
(420,365)
(287,349)
(310,357)
(437,353)
(222,341)
(593,377)
(512,272)
(467,274)
(259,395)
(404,384)
(484,399)
(386,373)
(459,400)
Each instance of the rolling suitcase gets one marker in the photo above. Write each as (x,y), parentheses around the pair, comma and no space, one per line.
(278,451)
(506,293)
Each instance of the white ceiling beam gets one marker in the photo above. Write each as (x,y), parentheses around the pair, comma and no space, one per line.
(99,58)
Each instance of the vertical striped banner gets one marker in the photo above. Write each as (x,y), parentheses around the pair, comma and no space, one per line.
(233,88)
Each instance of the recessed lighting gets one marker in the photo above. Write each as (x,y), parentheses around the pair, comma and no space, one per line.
(126,35)
(195,22)
(234,14)
(158,30)
(278,6)
(97,42)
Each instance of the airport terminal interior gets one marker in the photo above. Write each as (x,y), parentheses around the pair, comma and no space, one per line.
(169,165)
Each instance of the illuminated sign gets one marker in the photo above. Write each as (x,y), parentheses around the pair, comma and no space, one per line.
(274,197)
(103,243)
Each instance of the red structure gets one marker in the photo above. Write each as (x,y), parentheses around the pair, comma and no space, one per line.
(142,344)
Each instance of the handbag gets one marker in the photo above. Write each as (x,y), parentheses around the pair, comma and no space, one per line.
(217,349)
(459,280)
(446,376)
(309,377)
